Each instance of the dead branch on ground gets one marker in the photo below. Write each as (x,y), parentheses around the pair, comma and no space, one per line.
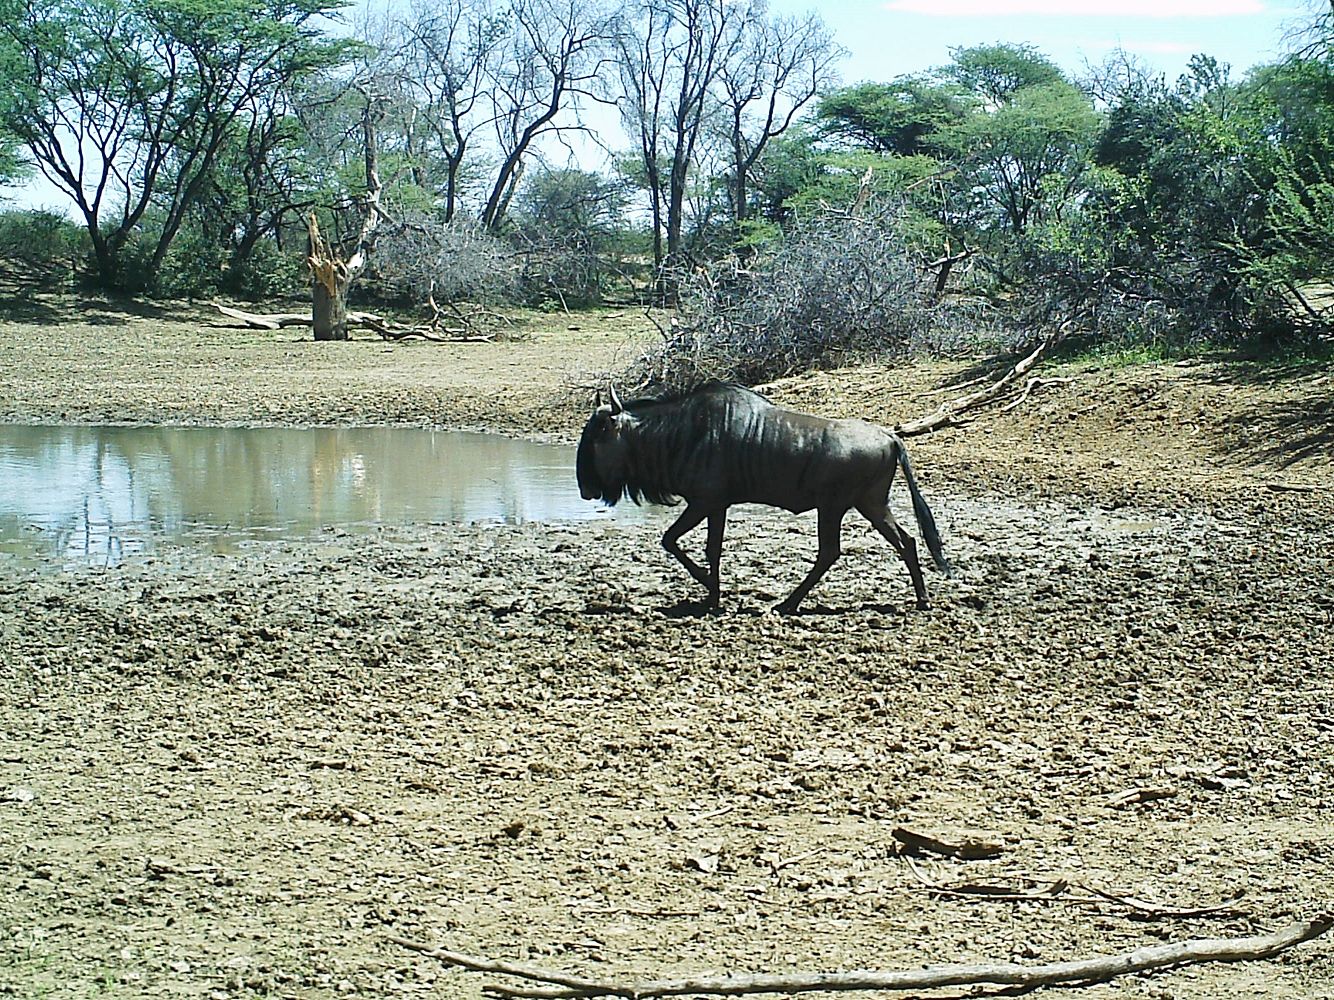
(1026,890)
(1033,382)
(1080,971)
(1276,486)
(369,321)
(1157,910)
(948,413)
(1133,796)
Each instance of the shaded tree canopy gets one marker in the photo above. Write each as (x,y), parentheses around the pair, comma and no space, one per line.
(125,104)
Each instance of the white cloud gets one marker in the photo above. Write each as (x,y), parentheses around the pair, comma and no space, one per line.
(1078,8)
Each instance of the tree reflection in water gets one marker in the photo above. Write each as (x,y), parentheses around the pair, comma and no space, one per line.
(96,495)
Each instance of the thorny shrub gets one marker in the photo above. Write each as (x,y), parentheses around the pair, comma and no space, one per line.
(455,261)
(839,287)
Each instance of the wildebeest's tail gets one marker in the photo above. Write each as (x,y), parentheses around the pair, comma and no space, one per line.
(926,524)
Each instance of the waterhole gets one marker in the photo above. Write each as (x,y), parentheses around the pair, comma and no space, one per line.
(98,495)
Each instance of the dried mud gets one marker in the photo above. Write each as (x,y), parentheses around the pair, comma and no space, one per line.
(239,776)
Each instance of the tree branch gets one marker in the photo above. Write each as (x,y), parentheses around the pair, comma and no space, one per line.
(945,416)
(1098,969)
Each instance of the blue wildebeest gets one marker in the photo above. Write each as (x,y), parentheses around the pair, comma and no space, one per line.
(724,444)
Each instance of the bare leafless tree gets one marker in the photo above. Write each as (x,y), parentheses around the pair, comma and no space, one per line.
(773,68)
(670,56)
(644,67)
(554,59)
(448,54)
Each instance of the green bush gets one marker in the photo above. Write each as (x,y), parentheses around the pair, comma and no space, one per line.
(193,268)
(42,246)
(267,272)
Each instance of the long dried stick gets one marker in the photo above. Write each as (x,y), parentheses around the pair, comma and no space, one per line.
(1098,969)
(947,412)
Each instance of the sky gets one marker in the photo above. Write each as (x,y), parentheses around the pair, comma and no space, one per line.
(888,38)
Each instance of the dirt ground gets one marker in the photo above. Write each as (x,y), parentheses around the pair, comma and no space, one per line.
(230,776)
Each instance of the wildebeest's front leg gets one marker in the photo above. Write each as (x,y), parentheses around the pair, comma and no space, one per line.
(689,519)
(714,551)
(830,526)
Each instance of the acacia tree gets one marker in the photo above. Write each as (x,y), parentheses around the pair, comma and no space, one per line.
(11,70)
(1023,147)
(1023,160)
(900,118)
(125,104)
(996,73)
(259,184)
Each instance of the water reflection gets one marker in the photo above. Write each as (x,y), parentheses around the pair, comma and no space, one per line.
(100,494)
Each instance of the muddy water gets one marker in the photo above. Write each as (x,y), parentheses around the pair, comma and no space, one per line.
(96,495)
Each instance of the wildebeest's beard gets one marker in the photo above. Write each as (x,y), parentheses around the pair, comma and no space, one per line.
(591,484)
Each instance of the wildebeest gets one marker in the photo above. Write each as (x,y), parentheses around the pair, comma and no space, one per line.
(724,444)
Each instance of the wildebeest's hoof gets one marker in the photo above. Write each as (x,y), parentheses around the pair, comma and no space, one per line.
(786,608)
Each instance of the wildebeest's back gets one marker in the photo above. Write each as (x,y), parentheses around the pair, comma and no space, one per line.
(740,448)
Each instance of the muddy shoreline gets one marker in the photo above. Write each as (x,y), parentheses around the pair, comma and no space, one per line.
(237,775)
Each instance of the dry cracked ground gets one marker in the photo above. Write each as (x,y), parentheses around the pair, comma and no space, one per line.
(243,775)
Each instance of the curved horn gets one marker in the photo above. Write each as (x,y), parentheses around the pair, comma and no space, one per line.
(616,406)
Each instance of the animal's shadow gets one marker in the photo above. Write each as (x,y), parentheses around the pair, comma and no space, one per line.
(763,606)
(689,609)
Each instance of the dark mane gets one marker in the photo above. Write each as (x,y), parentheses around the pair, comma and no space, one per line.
(670,398)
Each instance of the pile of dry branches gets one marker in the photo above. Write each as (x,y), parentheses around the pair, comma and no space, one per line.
(842,285)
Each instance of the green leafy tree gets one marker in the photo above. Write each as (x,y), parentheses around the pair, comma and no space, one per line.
(900,117)
(1208,205)
(1289,163)
(11,69)
(997,73)
(125,104)
(1022,162)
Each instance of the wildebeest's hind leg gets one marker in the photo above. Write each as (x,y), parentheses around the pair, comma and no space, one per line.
(879,515)
(689,519)
(830,525)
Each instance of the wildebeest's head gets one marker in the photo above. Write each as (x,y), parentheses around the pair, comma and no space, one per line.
(601,463)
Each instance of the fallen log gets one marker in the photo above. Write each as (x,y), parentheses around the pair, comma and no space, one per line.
(1080,971)
(369,321)
(949,412)
(265,321)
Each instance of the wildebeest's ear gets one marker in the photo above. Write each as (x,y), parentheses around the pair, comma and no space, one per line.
(616,406)
(597,399)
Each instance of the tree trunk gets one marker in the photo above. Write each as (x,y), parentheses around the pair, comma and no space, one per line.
(330,278)
(330,274)
(676,200)
(739,181)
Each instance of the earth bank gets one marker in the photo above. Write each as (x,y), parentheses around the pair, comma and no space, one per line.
(236,776)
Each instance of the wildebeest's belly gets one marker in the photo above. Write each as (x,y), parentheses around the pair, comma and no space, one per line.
(796,486)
